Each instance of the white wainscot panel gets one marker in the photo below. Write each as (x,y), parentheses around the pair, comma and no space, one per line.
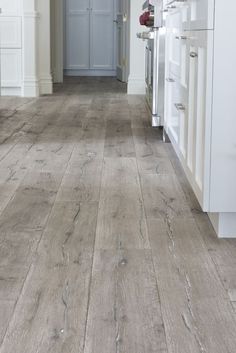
(11,68)
(10,29)
(10,7)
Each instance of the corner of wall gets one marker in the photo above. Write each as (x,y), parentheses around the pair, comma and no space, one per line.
(45,85)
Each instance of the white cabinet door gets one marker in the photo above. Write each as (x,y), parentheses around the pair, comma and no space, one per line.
(201,14)
(200,54)
(10,7)
(11,68)
(77,34)
(10,32)
(102,35)
(176,102)
(173,24)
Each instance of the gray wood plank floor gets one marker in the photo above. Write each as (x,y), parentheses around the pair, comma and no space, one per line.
(103,246)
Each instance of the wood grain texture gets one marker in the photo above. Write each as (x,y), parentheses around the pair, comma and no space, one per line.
(119,139)
(155,165)
(124,313)
(121,217)
(6,311)
(148,142)
(103,245)
(70,230)
(50,315)
(190,290)
(163,197)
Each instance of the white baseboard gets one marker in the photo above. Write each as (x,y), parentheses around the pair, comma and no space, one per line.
(136,86)
(10,91)
(68,72)
(30,88)
(45,85)
(224,224)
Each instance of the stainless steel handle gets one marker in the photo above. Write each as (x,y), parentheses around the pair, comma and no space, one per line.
(180,107)
(168,79)
(181,37)
(145,35)
(173,1)
(193,54)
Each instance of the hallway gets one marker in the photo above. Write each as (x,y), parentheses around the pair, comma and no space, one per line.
(103,247)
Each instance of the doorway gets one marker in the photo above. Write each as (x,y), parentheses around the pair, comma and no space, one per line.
(90,38)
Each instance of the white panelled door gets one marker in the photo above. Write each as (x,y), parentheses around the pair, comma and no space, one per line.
(101,34)
(77,34)
(89,36)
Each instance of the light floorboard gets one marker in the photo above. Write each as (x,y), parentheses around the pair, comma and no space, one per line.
(103,245)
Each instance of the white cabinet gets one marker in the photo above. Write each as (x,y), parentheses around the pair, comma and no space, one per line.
(89,35)
(200,56)
(10,29)
(11,46)
(11,71)
(10,7)
(202,89)
(200,14)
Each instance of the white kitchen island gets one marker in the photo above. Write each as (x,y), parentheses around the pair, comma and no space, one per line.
(200,102)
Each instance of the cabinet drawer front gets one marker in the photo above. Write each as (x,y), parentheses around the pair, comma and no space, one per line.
(200,15)
(10,7)
(176,110)
(10,29)
(11,71)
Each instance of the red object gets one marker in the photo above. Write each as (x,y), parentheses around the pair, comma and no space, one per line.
(144,18)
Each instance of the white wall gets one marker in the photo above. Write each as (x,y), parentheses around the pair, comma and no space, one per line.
(136,81)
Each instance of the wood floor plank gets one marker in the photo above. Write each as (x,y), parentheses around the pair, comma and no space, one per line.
(222,253)
(84,165)
(27,211)
(121,217)
(182,179)
(148,142)
(163,197)
(155,165)
(124,313)
(119,139)
(70,230)
(37,193)
(50,315)
(11,281)
(80,188)
(18,249)
(6,311)
(91,142)
(168,287)
(190,290)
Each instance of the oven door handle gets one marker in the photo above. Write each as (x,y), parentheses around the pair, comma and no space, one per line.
(145,35)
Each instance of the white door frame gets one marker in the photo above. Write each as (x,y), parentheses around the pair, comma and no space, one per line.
(57,39)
